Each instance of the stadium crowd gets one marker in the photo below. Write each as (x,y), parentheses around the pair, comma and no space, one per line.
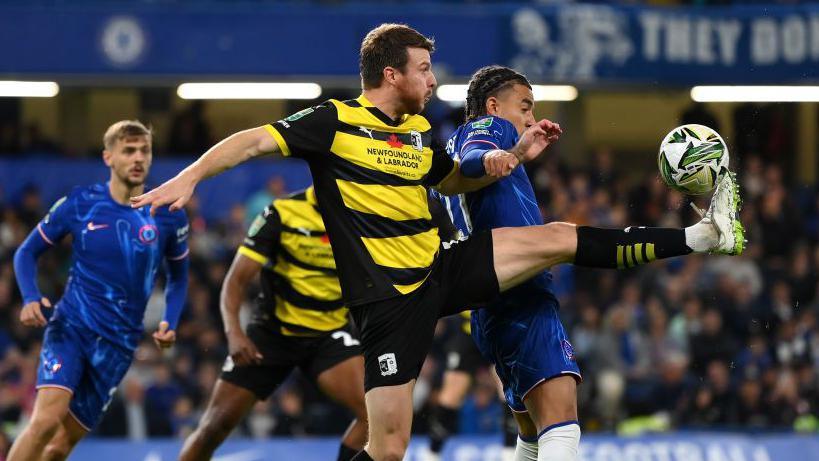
(692,342)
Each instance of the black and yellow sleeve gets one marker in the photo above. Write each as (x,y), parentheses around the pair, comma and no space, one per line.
(307,132)
(262,241)
(442,165)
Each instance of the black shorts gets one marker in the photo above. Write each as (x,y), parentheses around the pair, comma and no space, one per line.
(462,354)
(282,354)
(396,333)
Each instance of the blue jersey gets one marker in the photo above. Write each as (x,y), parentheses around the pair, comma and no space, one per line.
(117,251)
(509,202)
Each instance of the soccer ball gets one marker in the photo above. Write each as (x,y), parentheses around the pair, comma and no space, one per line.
(692,158)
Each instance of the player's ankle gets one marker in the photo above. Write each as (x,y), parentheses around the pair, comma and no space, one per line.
(701,237)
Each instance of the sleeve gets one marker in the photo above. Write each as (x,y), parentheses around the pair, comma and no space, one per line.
(307,132)
(177,264)
(177,246)
(262,240)
(25,265)
(442,165)
(481,137)
(57,222)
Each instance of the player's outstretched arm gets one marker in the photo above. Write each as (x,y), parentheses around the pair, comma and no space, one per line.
(482,167)
(242,271)
(231,151)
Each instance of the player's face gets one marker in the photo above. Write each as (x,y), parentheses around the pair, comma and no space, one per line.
(130,159)
(416,82)
(516,104)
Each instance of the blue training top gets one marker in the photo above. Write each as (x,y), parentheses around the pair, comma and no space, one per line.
(115,259)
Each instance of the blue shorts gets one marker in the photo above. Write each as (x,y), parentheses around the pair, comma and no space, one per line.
(521,334)
(78,360)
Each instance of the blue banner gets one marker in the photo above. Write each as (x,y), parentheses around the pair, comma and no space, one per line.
(578,43)
(676,447)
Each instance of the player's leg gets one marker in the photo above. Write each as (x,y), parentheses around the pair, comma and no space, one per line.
(338,368)
(522,252)
(59,373)
(462,363)
(389,412)
(68,435)
(552,405)
(445,416)
(396,335)
(50,408)
(526,448)
(228,404)
(240,387)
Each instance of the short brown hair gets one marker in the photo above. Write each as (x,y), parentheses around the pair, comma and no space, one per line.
(386,46)
(124,129)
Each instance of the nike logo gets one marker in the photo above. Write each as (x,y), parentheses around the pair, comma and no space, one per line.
(92,227)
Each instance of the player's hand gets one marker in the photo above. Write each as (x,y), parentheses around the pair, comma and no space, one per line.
(242,350)
(499,163)
(536,139)
(32,313)
(163,337)
(175,191)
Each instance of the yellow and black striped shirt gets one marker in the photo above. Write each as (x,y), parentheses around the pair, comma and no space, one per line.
(299,282)
(371,175)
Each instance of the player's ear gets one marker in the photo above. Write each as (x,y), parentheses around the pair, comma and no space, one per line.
(106,157)
(492,105)
(390,75)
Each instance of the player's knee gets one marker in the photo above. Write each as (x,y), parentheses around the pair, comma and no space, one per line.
(394,448)
(214,429)
(559,239)
(56,451)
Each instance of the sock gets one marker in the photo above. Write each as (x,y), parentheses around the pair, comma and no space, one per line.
(526,449)
(362,456)
(633,246)
(559,442)
(346,453)
(701,237)
(443,423)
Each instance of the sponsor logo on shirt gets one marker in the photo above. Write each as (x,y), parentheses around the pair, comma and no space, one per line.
(148,234)
(482,123)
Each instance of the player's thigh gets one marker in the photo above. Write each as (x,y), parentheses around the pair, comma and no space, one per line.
(344,383)
(526,427)
(552,401)
(51,405)
(228,404)
(522,252)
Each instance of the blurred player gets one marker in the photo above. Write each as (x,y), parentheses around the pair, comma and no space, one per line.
(300,321)
(462,363)
(90,339)
(372,159)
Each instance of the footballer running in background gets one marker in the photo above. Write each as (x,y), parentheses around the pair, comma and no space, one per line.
(299,321)
(95,327)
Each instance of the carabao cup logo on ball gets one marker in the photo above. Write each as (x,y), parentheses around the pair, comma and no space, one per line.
(148,234)
(692,158)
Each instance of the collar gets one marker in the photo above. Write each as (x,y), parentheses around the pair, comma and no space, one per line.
(378,113)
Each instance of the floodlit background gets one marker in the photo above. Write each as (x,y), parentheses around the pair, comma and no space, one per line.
(702,358)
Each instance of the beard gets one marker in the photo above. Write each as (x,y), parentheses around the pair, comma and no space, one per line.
(411,104)
(126,179)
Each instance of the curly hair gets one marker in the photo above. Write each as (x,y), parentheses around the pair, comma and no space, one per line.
(487,82)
